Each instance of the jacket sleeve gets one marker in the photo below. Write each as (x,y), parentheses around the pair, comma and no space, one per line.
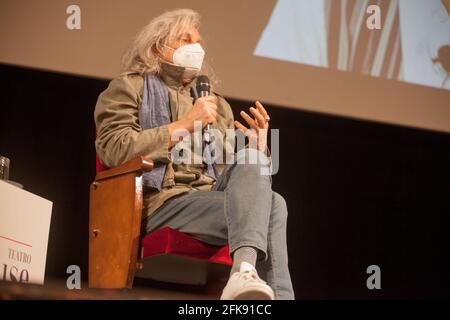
(119,134)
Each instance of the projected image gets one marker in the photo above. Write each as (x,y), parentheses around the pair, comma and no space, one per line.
(413,44)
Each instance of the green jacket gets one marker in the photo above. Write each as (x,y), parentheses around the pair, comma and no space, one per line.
(121,138)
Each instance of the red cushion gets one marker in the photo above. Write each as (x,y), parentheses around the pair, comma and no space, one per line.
(170,241)
(99,166)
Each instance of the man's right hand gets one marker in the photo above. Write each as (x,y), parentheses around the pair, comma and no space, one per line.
(203,110)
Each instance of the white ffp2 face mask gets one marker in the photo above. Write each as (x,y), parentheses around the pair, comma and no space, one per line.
(189,56)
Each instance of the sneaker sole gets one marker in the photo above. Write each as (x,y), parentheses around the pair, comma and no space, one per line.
(253,293)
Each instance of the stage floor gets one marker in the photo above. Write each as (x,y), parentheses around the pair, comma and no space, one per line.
(143,290)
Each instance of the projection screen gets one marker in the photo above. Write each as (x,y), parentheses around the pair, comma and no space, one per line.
(316,55)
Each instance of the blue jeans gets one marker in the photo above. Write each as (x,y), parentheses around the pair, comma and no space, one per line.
(241,210)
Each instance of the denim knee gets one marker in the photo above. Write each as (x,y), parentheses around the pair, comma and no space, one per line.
(252,156)
(253,164)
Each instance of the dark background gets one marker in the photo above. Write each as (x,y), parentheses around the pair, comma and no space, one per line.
(358,192)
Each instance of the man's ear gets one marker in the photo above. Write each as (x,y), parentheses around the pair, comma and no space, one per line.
(158,52)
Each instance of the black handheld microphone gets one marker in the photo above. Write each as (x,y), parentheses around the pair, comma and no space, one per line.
(203,88)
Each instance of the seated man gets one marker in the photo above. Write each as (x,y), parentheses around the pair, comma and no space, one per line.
(145,110)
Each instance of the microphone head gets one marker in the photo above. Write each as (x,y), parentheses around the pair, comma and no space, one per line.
(203,84)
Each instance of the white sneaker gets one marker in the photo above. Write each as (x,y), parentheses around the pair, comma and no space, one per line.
(247,285)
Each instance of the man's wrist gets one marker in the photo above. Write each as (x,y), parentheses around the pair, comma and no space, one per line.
(177,129)
(177,125)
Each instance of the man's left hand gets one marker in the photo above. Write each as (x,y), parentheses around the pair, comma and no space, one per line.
(259,126)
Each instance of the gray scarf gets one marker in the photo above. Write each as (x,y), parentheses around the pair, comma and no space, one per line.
(154,112)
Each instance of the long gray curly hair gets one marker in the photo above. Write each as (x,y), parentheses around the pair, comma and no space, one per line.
(144,54)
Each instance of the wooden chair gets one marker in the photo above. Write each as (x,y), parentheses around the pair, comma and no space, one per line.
(115,211)
(115,255)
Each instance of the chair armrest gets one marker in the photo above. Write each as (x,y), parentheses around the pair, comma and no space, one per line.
(138,164)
